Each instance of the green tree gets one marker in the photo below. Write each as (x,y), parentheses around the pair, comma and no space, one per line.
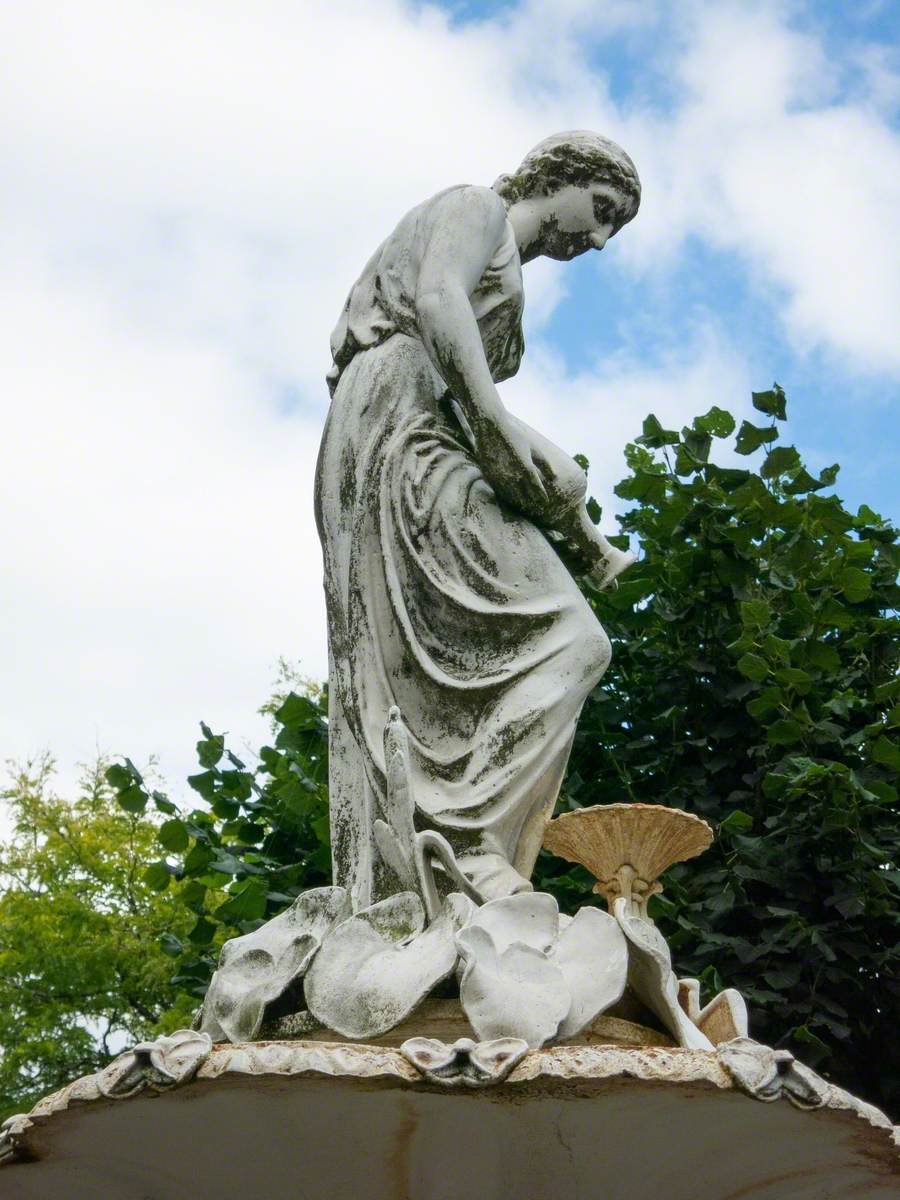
(83,967)
(753,682)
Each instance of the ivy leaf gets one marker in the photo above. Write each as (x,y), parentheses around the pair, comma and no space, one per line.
(784,732)
(204,783)
(163,803)
(118,777)
(737,822)
(158,876)
(246,902)
(211,748)
(299,710)
(795,678)
(654,435)
(766,703)
(133,799)
(173,835)
(887,753)
(193,894)
(717,422)
(751,437)
(753,667)
(799,480)
(171,945)
(202,933)
(696,445)
(198,859)
(783,977)
(854,583)
(755,613)
(780,461)
(773,402)
(322,829)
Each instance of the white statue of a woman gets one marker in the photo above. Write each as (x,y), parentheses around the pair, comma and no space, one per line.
(445,596)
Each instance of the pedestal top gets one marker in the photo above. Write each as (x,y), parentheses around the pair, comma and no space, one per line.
(326,1121)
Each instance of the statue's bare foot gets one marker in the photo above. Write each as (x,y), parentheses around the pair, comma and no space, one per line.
(492,876)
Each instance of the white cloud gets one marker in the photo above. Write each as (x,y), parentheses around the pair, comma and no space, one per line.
(761,158)
(190,190)
(160,553)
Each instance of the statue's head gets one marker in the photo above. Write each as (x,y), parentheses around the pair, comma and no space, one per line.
(578,188)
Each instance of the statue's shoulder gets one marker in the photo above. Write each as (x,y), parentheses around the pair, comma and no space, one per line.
(468,197)
(464,207)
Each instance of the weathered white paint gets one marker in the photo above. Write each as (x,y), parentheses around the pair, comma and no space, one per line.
(434,505)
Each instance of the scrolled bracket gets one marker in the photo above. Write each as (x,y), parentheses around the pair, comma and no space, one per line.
(768,1075)
(465,1063)
(159,1065)
(12,1134)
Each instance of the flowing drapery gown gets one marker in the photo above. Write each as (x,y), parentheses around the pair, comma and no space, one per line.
(441,600)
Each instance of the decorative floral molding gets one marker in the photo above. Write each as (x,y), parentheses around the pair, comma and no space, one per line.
(466,1063)
(158,1065)
(767,1074)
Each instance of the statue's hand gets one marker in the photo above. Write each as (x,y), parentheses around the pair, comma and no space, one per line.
(506,459)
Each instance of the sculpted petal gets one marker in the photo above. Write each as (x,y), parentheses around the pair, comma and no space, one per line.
(371,972)
(428,1054)
(723,1019)
(497,1058)
(178,1054)
(397,919)
(530,918)
(592,954)
(473,943)
(258,967)
(650,974)
(517,994)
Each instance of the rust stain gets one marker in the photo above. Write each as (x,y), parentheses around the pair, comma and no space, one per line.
(398,1163)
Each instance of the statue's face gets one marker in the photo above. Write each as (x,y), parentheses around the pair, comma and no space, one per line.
(576,219)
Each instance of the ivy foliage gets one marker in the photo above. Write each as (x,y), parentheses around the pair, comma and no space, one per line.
(753,682)
(258,837)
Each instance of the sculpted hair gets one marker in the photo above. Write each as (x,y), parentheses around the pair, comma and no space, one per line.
(578,157)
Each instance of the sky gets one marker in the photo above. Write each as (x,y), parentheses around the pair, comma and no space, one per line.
(188,190)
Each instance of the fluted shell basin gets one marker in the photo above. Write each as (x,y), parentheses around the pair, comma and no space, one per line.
(647,837)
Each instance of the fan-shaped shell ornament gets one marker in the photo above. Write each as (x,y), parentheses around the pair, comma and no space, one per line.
(627,846)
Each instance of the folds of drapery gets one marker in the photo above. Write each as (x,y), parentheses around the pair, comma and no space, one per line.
(447,604)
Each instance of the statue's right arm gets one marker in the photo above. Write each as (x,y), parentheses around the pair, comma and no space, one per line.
(467,232)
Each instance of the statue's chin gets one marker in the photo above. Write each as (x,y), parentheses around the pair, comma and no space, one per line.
(564,253)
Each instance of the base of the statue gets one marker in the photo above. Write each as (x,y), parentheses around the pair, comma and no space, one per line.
(317,1119)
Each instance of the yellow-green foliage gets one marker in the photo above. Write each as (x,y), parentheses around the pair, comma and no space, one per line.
(82,969)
